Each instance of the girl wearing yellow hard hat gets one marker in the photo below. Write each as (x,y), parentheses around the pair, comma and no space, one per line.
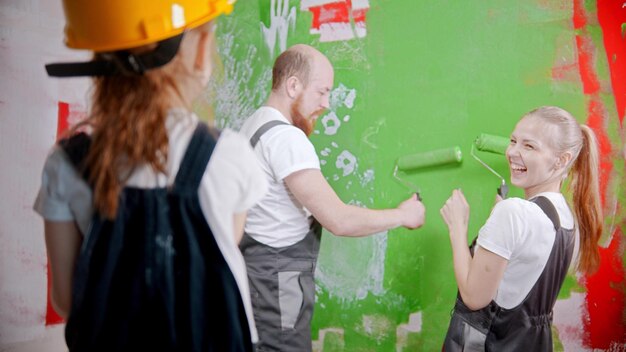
(143,205)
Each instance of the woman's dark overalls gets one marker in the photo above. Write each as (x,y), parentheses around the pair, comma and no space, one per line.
(526,327)
(154,278)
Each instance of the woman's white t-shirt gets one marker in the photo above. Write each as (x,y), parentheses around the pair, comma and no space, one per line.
(232,183)
(520,232)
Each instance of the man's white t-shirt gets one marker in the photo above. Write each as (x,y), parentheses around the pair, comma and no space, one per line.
(232,183)
(519,231)
(279,220)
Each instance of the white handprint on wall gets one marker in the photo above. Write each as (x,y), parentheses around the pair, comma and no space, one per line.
(281,18)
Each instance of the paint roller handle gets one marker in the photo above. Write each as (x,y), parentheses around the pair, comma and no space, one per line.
(503,190)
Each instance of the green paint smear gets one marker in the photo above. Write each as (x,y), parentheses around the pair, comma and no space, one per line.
(426,77)
(333,342)
(570,285)
(556,341)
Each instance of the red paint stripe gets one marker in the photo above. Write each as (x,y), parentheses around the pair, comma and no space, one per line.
(359,15)
(560,72)
(611,16)
(605,323)
(595,119)
(585,65)
(605,299)
(62,125)
(579,18)
(51,315)
(330,13)
(62,118)
(336,12)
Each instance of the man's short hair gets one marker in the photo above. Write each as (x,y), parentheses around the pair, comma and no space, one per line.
(291,63)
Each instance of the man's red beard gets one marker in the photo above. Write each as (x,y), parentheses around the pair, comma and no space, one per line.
(305,123)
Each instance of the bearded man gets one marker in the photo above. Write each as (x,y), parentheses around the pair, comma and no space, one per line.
(282,233)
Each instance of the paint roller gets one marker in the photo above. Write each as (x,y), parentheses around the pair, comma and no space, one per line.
(492,144)
(426,159)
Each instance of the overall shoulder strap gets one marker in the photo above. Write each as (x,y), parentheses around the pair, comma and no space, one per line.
(196,159)
(548,208)
(264,128)
(76,148)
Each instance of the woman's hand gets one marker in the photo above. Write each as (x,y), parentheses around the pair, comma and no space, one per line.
(455,213)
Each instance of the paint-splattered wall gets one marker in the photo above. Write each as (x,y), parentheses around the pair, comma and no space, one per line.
(33,109)
(411,76)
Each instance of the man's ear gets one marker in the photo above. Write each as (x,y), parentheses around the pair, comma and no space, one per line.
(293,86)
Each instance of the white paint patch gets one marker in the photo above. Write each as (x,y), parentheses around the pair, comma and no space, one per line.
(346,118)
(347,162)
(355,273)
(318,345)
(282,18)
(376,326)
(77,113)
(356,4)
(568,320)
(370,132)
(31,35)
(355,51)
(366,178)
(403,331)
(342,96)
(415,322)
(306,4)
(332,32)
(230,91)
(331,123)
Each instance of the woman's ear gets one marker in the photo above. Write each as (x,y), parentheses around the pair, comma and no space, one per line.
(563,160)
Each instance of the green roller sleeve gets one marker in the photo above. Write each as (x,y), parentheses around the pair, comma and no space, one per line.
(493,144)
(430,158)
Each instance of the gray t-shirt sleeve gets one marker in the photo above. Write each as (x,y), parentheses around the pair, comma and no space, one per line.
(63,195)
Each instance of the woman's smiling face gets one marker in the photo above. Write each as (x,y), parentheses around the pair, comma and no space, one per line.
(533,161)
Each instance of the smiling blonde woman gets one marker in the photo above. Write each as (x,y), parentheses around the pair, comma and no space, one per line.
(509,281)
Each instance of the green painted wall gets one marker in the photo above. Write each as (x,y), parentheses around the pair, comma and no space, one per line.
(428,74)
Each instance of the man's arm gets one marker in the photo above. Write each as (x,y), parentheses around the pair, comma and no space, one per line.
(313,191)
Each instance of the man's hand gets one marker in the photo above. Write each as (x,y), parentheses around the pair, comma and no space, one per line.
(414,211)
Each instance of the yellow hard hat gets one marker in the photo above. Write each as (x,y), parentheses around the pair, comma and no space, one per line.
(111,25)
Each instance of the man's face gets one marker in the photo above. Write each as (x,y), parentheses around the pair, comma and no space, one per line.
(313,99)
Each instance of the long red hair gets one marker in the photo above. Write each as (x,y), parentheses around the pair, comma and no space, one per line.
(128,130)
(580,141)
